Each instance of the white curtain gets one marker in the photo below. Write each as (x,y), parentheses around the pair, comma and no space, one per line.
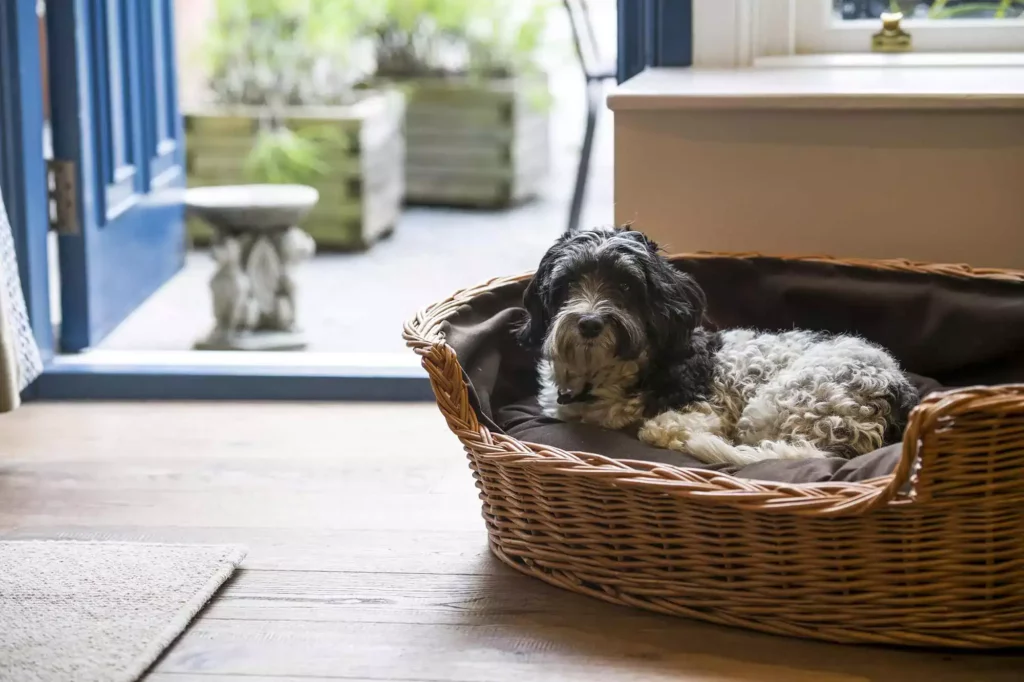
(19,356)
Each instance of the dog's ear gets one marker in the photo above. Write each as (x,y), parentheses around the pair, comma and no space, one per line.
(531,331)
(688,291)
(680,304)
(534,328)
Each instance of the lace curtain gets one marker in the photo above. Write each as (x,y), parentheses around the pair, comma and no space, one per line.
(19,356)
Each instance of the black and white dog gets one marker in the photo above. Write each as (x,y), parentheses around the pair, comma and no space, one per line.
(622,344)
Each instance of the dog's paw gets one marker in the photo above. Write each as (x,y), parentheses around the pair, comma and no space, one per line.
(668,430)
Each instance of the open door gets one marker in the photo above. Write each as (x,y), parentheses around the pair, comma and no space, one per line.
(118,154)
(654,33)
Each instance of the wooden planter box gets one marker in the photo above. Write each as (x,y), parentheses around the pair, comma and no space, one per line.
(476,143)
(360,197)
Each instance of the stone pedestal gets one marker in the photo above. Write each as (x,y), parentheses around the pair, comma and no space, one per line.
(257,246)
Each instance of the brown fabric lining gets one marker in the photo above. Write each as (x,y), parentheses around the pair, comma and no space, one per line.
(947,331)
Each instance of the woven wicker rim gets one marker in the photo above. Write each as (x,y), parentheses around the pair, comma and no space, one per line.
(424,335)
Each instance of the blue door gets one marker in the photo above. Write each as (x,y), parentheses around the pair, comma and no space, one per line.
(117,140)
(654,33)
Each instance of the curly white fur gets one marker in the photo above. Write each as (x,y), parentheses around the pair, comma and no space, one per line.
(792,395)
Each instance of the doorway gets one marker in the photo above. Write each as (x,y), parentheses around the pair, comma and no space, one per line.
(127,294)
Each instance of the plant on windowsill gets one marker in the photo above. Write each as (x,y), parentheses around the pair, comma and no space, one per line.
(477,131)
(945,9)
(285,108)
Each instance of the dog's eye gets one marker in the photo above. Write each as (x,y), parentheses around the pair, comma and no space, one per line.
(626,287)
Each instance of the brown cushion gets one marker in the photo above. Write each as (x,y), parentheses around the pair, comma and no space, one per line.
(947,331)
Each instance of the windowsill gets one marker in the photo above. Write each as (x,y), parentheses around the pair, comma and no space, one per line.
(983,60)
(920,87)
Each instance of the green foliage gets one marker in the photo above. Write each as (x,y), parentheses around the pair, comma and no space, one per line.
(501,41)
(273,54)
(283,156)
(941,9)
(438,37)
(997,10)
(280,52)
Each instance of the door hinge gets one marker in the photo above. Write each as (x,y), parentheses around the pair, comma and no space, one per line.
(62,181)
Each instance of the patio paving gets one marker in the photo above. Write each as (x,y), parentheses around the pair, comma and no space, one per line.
(358,302)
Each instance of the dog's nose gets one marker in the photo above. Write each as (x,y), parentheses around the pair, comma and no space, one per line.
(590,326)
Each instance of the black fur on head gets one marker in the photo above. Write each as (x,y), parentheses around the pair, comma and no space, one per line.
(626,271)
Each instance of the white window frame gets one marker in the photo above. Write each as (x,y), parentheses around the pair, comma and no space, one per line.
(817,33)
(734,33)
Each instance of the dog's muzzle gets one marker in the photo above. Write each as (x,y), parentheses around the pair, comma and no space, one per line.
(567,397)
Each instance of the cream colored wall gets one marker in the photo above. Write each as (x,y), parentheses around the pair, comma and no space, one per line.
(945,187)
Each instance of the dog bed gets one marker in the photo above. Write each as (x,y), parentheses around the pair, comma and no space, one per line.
(918,543)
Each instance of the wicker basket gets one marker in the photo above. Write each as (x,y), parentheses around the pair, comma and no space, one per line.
(931,555)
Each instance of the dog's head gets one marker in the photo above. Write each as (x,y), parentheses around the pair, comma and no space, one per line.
(608,293)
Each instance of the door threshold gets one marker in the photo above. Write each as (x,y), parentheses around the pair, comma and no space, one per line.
(227,375)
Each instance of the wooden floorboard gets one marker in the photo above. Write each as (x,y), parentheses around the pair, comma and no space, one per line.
(367,555)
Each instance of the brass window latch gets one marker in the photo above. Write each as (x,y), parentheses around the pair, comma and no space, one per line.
(892,37)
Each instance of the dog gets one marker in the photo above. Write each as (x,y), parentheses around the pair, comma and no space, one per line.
(624,343)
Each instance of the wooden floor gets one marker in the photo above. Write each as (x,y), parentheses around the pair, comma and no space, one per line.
(367,557)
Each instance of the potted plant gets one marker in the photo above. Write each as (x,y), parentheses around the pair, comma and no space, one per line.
(946,9)
(939,9)
(477,128)
(285,109)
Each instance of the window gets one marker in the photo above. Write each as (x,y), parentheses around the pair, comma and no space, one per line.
(737,32)
(935,25)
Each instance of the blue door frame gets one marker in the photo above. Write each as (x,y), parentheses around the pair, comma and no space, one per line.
(24,183)
(654,33)
(651,33)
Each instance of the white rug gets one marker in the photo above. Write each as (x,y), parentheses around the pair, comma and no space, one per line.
(100,611)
